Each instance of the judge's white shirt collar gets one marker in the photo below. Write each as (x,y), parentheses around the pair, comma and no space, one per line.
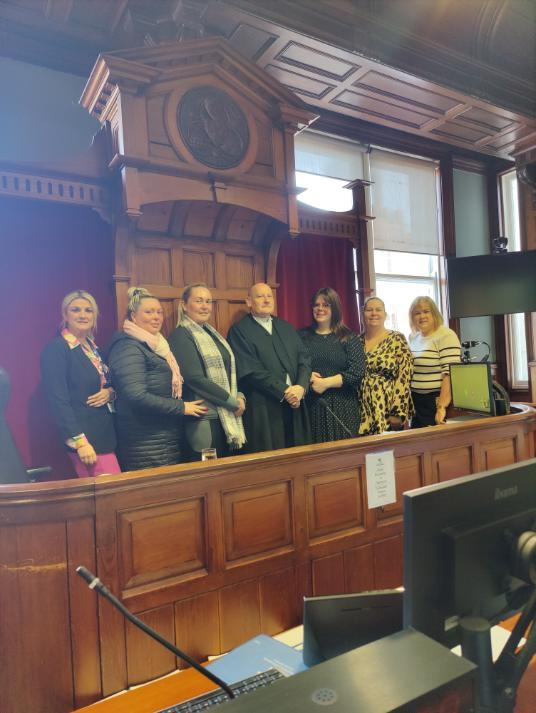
(265,322)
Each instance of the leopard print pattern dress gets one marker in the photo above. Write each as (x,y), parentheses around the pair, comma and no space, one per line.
(385,390)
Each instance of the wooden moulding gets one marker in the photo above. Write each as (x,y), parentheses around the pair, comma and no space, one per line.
(209,554)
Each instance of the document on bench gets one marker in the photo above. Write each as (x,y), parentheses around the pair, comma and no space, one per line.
(257,655)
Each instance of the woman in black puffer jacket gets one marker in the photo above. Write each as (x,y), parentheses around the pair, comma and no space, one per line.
(148,385)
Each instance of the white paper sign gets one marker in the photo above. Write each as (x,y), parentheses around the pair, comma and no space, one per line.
(381,488)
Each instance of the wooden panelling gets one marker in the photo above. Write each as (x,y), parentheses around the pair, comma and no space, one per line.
(499,453)
(334,503)
(152,266)
(328,575)
(280,607)
(359,568)
(294,521)
(257,521)
(240,271)
(239,614)
(197,629)
(146,658)
(198,267)
(83,605)
(162,542)
(452,463)
(388,563)
(34,595)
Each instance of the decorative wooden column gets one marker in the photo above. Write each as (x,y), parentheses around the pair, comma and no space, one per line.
(202,154)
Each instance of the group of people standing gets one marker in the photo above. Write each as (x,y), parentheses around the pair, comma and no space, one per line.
(151,402)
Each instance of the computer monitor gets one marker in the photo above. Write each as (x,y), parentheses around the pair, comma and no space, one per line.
(338,623)
(472,388)
(492,284)
(469,549)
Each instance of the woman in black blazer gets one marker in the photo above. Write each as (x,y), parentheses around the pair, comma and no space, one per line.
(208,366)
(148,382)
(77,384)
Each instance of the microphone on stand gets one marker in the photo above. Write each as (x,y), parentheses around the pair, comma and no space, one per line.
(322,401)
(94,582)
(471,344)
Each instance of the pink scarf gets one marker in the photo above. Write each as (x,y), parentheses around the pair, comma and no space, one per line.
(159,345)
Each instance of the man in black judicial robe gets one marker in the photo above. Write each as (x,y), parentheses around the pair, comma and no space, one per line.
(273,370)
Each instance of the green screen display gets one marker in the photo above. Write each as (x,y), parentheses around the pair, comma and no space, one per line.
(471,387)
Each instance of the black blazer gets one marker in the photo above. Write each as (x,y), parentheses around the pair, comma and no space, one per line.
(68,379)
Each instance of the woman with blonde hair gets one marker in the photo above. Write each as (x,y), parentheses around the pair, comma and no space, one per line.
(434,347)
(148,382)
(385,394)
(209,370)
(77,384)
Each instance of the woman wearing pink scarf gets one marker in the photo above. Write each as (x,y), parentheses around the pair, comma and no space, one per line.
(148,386)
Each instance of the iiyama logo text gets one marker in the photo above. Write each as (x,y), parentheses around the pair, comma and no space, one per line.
(505,493)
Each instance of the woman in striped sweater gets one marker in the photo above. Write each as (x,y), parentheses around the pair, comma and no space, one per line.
(434,347)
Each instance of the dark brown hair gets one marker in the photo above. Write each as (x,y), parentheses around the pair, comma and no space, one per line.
(339,329)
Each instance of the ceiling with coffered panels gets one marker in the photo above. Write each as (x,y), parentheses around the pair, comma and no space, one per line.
(459,73)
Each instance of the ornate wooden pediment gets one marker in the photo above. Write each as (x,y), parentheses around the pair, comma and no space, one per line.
(197,121)
(202,142)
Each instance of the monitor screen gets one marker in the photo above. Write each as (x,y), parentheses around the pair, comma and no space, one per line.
(461,549)
(492,284)
(472,388)
(338,623)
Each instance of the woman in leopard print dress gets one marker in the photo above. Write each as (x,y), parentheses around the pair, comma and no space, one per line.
(385,391)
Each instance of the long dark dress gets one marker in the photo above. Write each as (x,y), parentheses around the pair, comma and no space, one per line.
(330,356)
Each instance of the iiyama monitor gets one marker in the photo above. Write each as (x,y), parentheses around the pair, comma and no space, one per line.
(469,549)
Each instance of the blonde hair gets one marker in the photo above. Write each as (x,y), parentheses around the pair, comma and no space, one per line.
(186,296)
(135,296)
(428,302)
(79,295)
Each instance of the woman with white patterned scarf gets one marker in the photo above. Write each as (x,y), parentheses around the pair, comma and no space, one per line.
(209,372)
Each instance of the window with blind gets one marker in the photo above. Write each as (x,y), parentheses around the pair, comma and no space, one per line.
(404,197)
(324,165)
(518,375)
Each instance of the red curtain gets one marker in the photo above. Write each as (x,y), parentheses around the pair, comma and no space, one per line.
(46,251)
(305,264)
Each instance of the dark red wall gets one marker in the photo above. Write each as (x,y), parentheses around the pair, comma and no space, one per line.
(46,251)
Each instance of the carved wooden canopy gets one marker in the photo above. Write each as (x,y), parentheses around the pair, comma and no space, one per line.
(202,146)
(197,121)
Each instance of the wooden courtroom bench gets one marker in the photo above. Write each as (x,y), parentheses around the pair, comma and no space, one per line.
(210,554)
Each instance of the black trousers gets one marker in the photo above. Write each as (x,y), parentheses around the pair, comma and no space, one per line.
(425,409)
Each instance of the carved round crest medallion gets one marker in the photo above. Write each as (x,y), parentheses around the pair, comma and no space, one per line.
(213,127)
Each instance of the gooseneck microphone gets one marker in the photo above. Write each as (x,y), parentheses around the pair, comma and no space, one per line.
(94,583)
(470,344)
(322,401)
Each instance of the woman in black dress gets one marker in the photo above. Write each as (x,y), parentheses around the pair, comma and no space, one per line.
(338,363)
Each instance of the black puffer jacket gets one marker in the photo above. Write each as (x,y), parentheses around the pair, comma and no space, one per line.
(148,419)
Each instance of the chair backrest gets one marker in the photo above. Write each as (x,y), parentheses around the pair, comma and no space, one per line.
(12,469)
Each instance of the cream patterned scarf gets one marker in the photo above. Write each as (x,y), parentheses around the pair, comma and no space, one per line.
(160,346)
(215,370)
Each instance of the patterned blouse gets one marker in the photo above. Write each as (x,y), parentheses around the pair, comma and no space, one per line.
(385,390)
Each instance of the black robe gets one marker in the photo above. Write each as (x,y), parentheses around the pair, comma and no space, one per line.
(263,361)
